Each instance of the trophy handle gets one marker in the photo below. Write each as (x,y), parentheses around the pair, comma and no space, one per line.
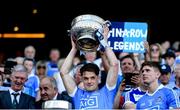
(107,23)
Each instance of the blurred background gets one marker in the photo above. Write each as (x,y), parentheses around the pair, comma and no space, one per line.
(53,19)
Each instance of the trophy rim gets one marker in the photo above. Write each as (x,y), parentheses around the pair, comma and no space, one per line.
(85,17)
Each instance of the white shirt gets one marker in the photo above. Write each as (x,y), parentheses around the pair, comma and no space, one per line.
(12,97)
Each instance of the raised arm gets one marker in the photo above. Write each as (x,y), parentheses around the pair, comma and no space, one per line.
(113,61)
(68,81)
(147,54)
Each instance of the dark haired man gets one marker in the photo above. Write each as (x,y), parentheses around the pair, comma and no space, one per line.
(91,97)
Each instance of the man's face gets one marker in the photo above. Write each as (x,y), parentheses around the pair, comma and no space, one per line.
(28,65)
(127,66)
(155,52)
(47,90)
(90,81)
(149,74)
(170,61)
(17,80)
(30,52)
(90,56)
(54,55)
(164,78)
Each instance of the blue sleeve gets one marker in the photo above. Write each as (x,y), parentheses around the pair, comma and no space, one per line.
(172,99)
(119,80)
(36,83)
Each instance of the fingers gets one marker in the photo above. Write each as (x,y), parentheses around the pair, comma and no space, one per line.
(135,79)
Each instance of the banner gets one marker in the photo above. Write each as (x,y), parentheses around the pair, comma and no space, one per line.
(128,36)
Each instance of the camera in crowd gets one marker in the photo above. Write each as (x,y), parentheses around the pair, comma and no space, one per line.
(128,77)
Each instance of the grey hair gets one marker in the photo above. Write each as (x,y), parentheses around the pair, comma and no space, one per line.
(19,68)
(52,81)
(29,47)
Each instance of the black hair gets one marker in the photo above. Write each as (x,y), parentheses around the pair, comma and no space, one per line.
(29,59)
(151,64)
(91,67)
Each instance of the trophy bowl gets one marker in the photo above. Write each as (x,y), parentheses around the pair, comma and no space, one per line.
(82,30)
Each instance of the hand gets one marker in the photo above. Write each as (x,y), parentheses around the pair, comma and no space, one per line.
(135,54)
(101,35)
(146,46)
(122,86)
(136,79)
(106,32)
(72,43)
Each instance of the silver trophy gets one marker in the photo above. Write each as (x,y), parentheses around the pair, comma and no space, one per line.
(83,29)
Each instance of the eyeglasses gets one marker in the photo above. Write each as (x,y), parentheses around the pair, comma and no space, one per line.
(44,67)
(154,49)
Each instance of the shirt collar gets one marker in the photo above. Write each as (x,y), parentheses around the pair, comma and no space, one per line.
(160,87)
(12,91)
(55,97)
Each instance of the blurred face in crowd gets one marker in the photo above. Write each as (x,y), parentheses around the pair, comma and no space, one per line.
(90,80)
(54,55)
(177,69)
(127,66)
(177,74)
(29,52)
(149,75)
(17,80)
(155,51)
(164,78)
(29,65)
(90,56)
(170,61)
(77,75)
(165,45)
(41,69)
(48,91)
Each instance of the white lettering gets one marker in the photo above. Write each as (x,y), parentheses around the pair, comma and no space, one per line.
(130,46)
(119,32)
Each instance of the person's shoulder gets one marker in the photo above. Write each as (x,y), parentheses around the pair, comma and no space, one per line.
(166,90)
(2,92)
(64,93)
(27,96)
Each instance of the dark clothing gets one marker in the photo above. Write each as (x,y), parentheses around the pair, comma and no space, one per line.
(25,101)
(63,96)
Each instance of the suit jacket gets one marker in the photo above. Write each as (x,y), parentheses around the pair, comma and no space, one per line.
(63,96)
(25,101)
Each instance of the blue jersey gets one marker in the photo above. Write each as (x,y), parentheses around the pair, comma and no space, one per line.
(32,85)
(163,98)
(100,99)
(134,95)
(51,69)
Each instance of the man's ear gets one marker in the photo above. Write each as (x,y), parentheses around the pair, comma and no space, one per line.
(158,74)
